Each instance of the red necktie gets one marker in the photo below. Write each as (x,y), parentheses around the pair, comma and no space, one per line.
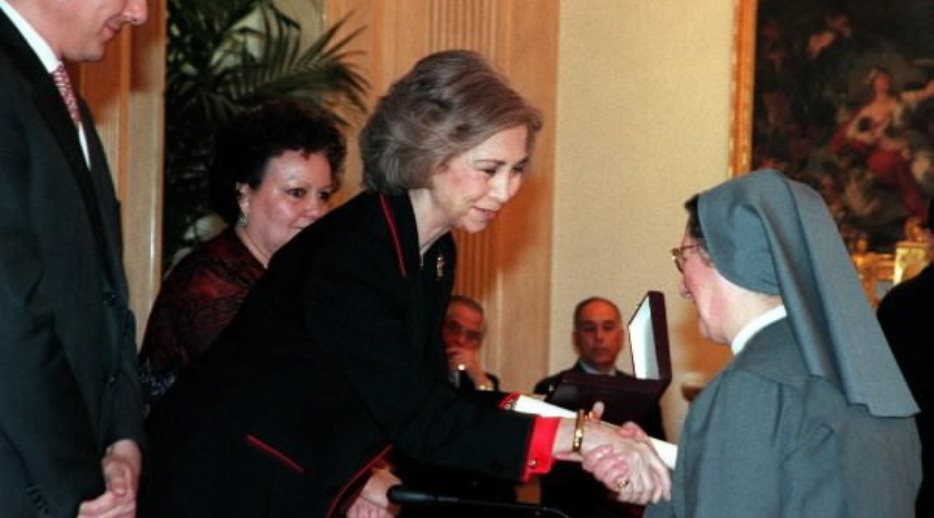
(60,76)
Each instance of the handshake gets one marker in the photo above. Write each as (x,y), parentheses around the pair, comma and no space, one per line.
(625,459)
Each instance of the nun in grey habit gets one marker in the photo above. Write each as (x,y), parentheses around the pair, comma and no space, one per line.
(812,417)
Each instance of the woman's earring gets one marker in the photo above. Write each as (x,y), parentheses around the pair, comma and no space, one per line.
(242,220)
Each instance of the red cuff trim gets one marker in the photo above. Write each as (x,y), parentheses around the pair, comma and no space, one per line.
(539,459)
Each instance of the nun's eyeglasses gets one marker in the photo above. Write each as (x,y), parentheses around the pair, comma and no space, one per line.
(677,255)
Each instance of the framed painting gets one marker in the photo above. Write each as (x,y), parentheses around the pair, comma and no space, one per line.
(840,95)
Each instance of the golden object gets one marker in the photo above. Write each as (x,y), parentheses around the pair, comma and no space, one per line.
(578,439)
(911,254)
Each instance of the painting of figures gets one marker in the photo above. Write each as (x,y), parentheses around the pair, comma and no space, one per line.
(842,98)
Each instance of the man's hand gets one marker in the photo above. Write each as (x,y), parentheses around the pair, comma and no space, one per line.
(463,359)
(121,466)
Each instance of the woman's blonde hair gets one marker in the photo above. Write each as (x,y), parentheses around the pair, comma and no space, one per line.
(448,103)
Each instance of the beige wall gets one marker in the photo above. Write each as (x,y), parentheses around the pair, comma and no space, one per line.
(643,123)
(125,94)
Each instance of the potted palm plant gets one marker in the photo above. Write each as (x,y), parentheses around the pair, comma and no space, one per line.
(226,57)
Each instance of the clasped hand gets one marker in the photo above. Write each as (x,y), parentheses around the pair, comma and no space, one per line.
(623,459)
(121,468)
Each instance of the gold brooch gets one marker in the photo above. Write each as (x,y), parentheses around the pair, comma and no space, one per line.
(439,267)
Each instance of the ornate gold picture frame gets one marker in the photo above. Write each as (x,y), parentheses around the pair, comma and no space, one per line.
(744,50)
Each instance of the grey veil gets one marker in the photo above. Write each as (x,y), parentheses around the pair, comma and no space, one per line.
(772,235)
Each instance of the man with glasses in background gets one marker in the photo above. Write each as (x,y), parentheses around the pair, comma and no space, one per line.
(462,334)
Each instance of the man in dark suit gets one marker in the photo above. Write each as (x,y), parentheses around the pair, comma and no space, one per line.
(462,335)
(903,314)
(70,421)
(598,338)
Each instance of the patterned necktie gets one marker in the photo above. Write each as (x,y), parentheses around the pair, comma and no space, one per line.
(60,76)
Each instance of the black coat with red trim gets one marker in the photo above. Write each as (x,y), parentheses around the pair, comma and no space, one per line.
(334,356)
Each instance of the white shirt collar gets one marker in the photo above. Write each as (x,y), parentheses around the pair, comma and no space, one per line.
(46,55)
(755,325)
(38,44)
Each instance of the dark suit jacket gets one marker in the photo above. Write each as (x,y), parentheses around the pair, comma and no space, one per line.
(334,355)
(67,354)
(904,314)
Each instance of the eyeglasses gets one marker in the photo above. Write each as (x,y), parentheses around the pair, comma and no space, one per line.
(454,328)
(677,255)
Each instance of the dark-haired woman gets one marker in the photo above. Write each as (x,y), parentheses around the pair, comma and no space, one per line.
(275,169)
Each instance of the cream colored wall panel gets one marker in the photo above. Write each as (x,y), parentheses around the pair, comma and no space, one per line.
(125,93)
(643,123)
